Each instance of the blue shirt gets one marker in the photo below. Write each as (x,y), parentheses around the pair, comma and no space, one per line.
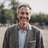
(22,36)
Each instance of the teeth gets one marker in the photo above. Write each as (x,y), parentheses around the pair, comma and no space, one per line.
(24,20)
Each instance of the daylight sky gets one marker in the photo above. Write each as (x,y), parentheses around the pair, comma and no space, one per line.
(37,5)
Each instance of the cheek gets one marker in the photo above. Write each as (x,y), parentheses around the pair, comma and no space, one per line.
(18,15)
(29,18)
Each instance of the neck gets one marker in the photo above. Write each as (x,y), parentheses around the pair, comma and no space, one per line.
(23,26)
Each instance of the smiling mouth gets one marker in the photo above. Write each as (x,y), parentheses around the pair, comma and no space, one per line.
(24,18)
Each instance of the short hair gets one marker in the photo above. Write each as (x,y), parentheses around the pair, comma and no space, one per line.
(23,5)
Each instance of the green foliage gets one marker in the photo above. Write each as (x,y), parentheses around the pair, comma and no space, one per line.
(2,14)
(14,4)
(40,18)
(11,15)
(8,14)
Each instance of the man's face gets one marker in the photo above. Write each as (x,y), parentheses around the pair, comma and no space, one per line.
(24,15)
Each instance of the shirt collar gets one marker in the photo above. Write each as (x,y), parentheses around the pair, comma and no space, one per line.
(29,27)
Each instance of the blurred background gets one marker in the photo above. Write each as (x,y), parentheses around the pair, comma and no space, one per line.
(39,16)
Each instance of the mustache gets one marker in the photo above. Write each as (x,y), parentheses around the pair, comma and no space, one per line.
(24,18)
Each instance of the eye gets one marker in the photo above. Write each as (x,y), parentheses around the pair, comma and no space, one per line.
(27,13)
(22,12)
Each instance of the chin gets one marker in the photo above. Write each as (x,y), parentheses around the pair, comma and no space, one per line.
(24,23)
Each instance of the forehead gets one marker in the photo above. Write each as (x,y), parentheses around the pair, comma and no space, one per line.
(24,9)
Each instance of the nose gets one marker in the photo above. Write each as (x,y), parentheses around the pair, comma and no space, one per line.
(24,16)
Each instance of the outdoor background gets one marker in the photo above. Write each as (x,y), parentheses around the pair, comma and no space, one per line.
(39,16)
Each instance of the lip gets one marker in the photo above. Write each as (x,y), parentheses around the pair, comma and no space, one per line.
(23,18)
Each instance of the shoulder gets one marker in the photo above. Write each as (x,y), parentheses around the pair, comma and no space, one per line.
(36,29)
(11,28)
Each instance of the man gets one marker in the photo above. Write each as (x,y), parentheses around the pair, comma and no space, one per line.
(23,35)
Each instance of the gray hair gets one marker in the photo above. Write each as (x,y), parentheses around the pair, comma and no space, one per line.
(25,5)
